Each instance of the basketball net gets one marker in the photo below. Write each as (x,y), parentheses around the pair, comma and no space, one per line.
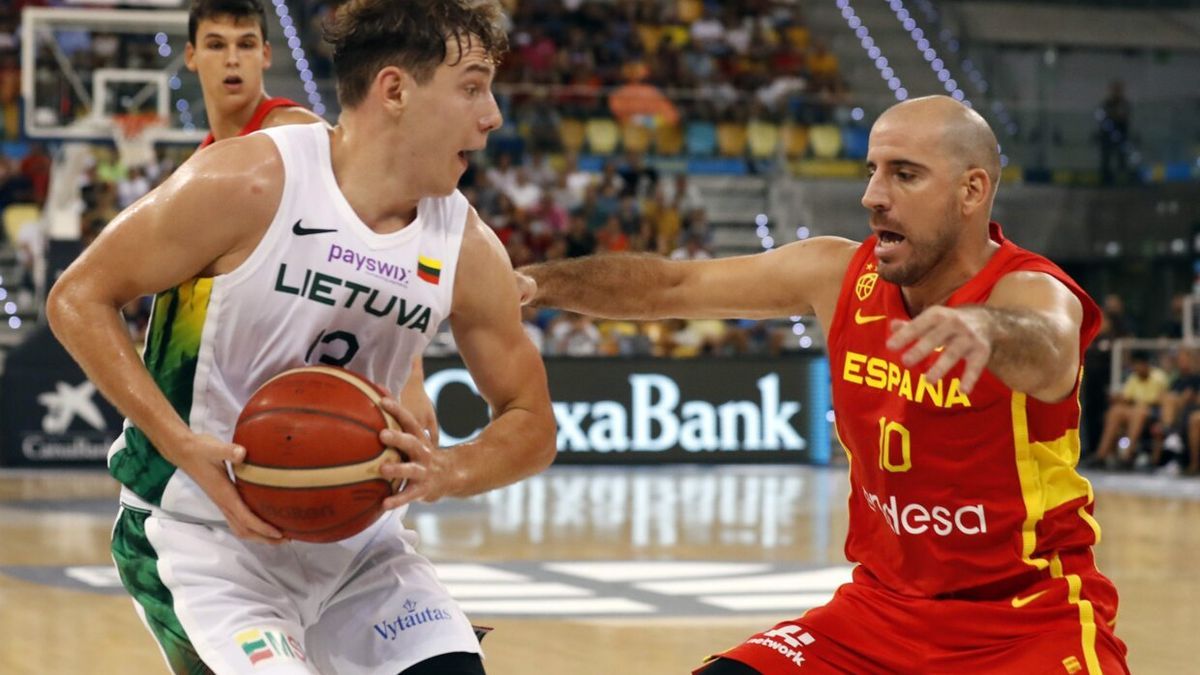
(134,145)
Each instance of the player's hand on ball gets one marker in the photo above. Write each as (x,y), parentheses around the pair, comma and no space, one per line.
(203,458)
(960,334)
(428,472)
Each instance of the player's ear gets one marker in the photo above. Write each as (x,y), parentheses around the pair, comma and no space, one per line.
(266,54)
(977,190)
(189,56)
(394,86)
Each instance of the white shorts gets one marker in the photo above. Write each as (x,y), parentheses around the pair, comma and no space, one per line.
(369,605)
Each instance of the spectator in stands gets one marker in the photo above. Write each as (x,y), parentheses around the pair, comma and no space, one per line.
(573,334)
(532,329)
(35,166)
(1172,327)
(524,193)
(1113,135)
(693,249)
(1097,365)
(580,240)
(612,238)
(503,175)
(1133,412)
(1114,311)
(638,178)
(1178,404)
(132,187)
(640,102)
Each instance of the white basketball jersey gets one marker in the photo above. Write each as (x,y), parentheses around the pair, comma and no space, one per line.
(320,288)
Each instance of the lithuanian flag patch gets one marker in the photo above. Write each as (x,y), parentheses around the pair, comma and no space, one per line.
(429,270)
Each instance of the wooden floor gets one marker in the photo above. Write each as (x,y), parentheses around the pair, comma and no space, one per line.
(587,571)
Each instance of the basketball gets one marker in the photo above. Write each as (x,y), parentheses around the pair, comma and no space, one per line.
(313,453)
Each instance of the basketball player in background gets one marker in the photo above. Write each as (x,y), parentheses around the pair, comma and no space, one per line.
(304,244)
(955,360)
(229,51)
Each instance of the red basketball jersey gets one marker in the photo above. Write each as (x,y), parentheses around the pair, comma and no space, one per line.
(955,495)
(260,113)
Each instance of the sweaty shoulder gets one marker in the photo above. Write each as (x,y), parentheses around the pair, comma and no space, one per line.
(243,176)
(480,243)
(290,115)
(235,185)
(822,263)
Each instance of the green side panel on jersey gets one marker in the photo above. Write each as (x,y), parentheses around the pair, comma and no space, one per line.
(172,347)
(137,563)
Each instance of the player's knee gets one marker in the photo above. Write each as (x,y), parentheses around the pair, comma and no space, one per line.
(454,663)
(727,667)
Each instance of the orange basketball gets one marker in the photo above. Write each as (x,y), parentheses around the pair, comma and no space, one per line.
(313,453)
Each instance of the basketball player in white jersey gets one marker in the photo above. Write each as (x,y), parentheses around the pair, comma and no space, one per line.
(229,51)
(295,245)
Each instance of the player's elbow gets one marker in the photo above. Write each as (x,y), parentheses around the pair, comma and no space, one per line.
(62,305)
(543,447)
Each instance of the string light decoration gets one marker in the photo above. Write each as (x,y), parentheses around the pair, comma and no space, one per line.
(939,66)
(873,51)
(298,56)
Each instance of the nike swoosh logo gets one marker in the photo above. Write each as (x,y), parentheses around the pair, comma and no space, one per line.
(1020,602)
(302,231)
(860,319)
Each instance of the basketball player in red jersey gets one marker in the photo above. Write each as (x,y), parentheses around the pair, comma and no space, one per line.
(955,360)
(228,49)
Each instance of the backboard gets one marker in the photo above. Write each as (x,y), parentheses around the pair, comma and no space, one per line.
(80,67)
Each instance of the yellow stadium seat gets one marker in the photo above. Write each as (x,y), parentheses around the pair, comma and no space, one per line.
(15,217)
(731,139)
(795,140)
(571,133)
(763,138)
(668,139)
(635,137)
(826,140)
(602,135)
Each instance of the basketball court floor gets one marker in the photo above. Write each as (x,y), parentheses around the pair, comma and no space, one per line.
(587,570)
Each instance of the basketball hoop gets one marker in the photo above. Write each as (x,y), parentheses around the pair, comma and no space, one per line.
(134,144)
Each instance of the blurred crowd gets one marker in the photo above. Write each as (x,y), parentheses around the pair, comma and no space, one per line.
(1150,421)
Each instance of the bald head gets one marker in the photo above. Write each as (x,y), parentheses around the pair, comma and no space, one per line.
(965,136)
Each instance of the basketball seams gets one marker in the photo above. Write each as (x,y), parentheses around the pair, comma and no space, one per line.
(306,411)
(326,476)
(350,378)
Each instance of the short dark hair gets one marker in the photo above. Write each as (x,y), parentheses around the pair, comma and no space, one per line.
(238,9)
(368,35)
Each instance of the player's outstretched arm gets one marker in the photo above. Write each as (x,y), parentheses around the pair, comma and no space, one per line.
(1027,334)
(211,210)
(507,369)
(790,280)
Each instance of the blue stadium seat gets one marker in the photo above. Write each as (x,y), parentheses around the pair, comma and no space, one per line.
(854,142)
(701,138)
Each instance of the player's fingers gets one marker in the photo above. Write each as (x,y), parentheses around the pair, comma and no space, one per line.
(408,421)
(413,472)
(411,447)
(973,370)
(952,353)
(903,332)
(232,503)
(412,493)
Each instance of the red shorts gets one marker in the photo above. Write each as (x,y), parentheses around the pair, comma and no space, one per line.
(1050,627)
